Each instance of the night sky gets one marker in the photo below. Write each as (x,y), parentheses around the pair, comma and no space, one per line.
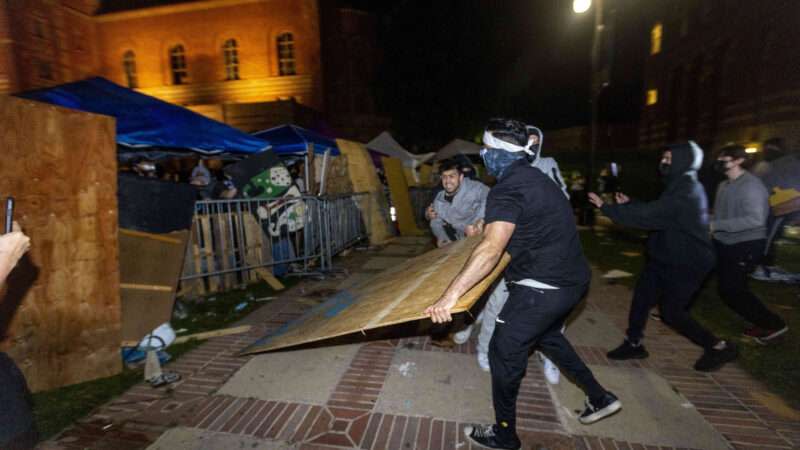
(451,64)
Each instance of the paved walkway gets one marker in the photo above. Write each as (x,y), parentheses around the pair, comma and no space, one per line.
(404,393)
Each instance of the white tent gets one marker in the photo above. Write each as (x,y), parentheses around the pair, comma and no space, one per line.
(385,143)
(455,147)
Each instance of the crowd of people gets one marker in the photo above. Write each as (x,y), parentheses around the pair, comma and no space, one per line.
(529,214)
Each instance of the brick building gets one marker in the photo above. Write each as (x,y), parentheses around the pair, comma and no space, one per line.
(722,71)
(249,63)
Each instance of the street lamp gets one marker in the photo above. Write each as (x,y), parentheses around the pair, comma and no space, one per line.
(597,83)
(581,6)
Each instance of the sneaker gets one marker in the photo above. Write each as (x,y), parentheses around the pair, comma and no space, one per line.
(713,359)
(551,371)
(607,406)
(628,350)
(486,436)
(763,336)
(483,362)
(463,335)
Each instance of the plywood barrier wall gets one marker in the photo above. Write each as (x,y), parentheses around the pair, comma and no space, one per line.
(364,178)
(62,323)
(398,189)
(397,295)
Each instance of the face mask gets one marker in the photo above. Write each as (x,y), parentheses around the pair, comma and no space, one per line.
(663,169)
(497,161)
(721,166)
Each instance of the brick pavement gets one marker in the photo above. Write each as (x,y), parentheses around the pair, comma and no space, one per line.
(726,399)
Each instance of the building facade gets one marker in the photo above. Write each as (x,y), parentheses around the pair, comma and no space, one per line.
(722,71)
(249,63)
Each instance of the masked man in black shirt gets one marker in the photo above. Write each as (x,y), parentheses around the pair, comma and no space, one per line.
(528,216)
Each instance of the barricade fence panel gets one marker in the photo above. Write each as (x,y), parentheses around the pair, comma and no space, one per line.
(234,241)
(421,198)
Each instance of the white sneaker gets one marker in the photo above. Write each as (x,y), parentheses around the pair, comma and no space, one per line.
(463,335)
(551,371)
(483,361)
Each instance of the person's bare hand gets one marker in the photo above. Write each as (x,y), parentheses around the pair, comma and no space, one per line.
(430,213)
(12,246)
(621,198)
(439,312)
(474,229)
(596,200)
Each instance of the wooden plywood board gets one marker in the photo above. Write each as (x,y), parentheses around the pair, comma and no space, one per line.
(62,311)
(397,295)
(398,188)
(150,266)
(364,178)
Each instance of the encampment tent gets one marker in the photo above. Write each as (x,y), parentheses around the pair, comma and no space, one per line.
(386,144)
(146,124)
(294,140)
(457,147)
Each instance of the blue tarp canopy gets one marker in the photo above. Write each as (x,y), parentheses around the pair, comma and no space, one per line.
(144,121)
(293,140)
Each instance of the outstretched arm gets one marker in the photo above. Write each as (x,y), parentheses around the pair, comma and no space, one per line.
(483,259)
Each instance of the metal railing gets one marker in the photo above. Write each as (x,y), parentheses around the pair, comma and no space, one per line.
(235,242)
(421,198)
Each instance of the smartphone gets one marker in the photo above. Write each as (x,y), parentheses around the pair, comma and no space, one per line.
(9,214)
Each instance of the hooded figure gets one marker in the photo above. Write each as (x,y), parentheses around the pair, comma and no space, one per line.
(679,256)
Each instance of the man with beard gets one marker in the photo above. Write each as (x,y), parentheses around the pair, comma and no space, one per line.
(461,203)
(679,257)
(529,216)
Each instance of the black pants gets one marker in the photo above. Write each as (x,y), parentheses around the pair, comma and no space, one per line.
(17,430)
(533,317)
(736,261)
(673,288)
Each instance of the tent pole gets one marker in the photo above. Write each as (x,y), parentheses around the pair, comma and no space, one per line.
(325,161)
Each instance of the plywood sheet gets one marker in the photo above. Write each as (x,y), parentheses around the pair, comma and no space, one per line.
(364,178)
(397,295)
(150,266)
(62,311)
(398,189)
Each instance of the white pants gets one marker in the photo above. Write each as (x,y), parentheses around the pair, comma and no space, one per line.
(487,317)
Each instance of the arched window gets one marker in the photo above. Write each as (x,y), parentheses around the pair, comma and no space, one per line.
(129,66)
(177,64)
(231,56)
(286,54)
(655,38)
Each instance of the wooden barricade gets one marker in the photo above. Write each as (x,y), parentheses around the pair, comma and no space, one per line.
(61,313)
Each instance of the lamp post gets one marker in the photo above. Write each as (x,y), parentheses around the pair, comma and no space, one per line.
(596,83)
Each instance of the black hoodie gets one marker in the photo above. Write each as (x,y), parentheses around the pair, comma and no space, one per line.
(678,220)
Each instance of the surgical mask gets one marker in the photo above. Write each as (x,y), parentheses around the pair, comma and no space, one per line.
(497,161)
(664,169)
(721,166)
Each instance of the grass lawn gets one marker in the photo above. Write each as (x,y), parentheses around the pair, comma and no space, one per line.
(776,365)
(57,409)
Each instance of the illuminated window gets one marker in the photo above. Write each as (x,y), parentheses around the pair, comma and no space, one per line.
(655,39)
(652,97)
(177,64)
(129,66)
(231,56)
(286,54)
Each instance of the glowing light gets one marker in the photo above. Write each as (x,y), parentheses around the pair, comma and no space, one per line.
(751,150)
(652,97)
(581,6)
(393,214)
(655,39)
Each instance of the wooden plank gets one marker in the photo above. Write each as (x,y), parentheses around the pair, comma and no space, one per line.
(149,272)
(398,189)
(397,295)
(225,249)
(155,237)
(62,312)
(267,276)
(207,250)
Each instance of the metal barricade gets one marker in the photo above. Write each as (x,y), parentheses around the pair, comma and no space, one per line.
(421,198)
(235,242)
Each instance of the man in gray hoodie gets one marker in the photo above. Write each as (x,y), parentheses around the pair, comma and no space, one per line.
(461,203)
(739,230)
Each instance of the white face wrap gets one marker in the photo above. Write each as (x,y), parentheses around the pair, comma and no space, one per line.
(490,141)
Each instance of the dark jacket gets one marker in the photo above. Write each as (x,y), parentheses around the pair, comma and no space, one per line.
(678,220)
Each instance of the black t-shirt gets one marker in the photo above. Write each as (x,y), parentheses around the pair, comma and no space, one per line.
(545,245)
